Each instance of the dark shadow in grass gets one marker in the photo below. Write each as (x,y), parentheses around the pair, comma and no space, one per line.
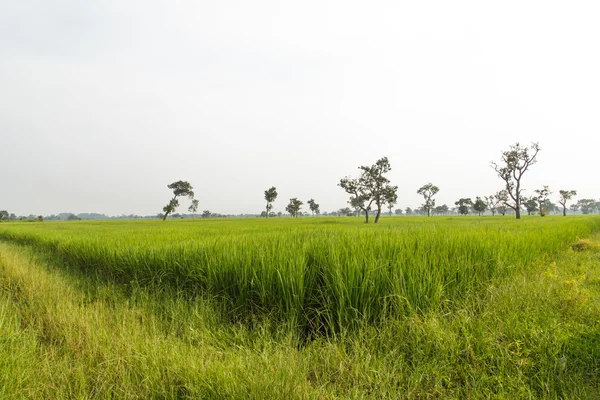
(92,282)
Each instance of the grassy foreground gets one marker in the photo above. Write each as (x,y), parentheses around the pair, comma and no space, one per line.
(78,320)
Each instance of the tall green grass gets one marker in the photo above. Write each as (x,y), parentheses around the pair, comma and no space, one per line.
(321,275)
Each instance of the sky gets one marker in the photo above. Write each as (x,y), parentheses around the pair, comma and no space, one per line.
(104,103)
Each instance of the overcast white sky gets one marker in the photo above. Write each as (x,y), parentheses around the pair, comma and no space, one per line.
(104,103)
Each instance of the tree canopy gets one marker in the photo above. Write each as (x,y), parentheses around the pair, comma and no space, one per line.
(372,187)
(565,196)
(479,206)
(294,207)
(514,163)
(314,207)
(464,204)
(428,191)
(270,197)
(180,188)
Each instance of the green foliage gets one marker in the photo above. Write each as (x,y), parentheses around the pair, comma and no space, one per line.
(588,206)
(180,188)
(565,196)
(270,197)
(372,187)
(193,208)
(428,191)
(294,207)
(531,204)
(479,206)
(464,204)
(314,207)
(542,198)
(346,211)
(515,162)
(441,210)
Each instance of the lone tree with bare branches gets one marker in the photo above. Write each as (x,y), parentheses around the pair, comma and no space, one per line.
(428,191)
(515,162)
(372,187)
(566,195)
(180,188)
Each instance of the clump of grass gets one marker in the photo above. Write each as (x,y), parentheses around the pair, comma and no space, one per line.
(584,245)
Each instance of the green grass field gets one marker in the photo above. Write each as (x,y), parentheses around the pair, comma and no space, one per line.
(301,308)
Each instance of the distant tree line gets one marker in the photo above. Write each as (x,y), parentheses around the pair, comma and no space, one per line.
(371,191)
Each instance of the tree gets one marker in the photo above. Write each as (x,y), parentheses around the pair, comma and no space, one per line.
(391,201)
(586,206)
(408,211)
(492,202)
(294,207)
(515,162)
(550,206)
(4,215)
(479,205)
(372,187)
(346,211)
(530,204)
(464,204)
(502,196)
(428,191)
(574,207)
(314,207)
(206,214)
(566,195)
(398,211)
(541,198)
(443,209)
(270,197)
(193,207)
(180,188)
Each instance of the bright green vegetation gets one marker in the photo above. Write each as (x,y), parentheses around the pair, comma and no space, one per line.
(308,308)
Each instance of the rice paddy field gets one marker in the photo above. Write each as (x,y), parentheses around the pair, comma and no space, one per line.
(441,307)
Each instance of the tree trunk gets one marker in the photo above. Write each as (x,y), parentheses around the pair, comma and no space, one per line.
(168,212)
(378,215)
(366,216)
(518,212)
(428,212)
(564,211)
(267,214)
